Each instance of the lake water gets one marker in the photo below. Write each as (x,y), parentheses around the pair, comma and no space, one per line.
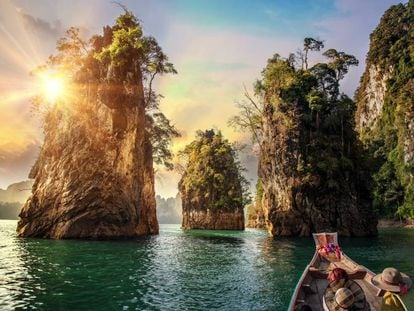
(176,270)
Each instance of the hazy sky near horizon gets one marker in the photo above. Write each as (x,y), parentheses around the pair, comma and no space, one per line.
(217,46)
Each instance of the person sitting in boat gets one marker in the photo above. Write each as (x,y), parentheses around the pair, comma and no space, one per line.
(393,281)
(345,299)
(337,274)
(343,293)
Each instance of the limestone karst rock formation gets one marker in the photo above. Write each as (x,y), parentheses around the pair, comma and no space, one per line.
(211,188)
(94,176)
(385,111)
(255,217)
(310,165)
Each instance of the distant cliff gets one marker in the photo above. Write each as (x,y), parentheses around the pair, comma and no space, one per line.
(255,216)
(10,210)
(385,111)
(255,213)
(212,188)
(94,176)
(169,210)
(13,198)
(17,192)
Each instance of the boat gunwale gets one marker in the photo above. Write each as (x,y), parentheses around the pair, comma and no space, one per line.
(306,271)
(301,280)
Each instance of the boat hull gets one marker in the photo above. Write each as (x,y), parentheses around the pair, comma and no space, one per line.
(313,281)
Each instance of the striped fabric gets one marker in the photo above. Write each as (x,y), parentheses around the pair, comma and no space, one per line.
(358,296)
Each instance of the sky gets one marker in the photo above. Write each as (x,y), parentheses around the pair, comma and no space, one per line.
(217,46)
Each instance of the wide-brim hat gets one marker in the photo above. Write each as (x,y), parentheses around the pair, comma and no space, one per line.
(344,294)
(391,279)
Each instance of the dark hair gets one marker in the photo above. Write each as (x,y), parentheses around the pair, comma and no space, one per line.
(337,274)
(305,308)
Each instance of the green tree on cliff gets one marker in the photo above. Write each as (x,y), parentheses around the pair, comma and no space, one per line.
(327,115)
(213,173)
(390,140)
(310,44)
(125,50)
(306,121)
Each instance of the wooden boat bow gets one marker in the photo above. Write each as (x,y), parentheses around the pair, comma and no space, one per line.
(313,282)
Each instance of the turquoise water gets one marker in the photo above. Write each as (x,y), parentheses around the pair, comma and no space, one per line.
(197,270)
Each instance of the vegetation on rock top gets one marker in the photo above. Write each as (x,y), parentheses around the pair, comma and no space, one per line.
(213,174)
(121,57)
(310,156)
(390,141)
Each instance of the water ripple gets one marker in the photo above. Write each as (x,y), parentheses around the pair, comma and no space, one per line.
(191,270)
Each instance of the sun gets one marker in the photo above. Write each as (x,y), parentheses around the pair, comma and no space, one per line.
(52,88)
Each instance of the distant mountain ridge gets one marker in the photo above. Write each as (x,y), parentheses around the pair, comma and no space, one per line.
(169,210)
(13,198)
(17,192)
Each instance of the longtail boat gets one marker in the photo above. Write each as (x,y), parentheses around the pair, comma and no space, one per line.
(313,283)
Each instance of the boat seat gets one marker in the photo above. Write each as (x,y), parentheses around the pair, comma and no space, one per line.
(317,274)
(357,274)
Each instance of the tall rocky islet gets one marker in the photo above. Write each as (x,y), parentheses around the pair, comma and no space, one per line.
(316,174)
(94,176)
(385,111)
(212,189)
(312,168)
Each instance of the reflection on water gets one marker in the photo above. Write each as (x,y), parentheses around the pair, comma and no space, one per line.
(177,270)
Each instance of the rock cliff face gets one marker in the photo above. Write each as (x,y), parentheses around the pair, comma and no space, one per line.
(211,187)
(193,218)
(385,111)
(255,213)
(255,217)
(295,203)
(373,95)
(94,176)
(310,165)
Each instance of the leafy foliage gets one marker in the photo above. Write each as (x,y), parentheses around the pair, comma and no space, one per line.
(123,56)
(392,51)
(310,44)
(213,173)
(309,101)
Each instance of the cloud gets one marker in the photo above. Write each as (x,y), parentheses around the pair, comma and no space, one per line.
(213,68)
(349,31)
(15,164)
(20,139)
(41,26)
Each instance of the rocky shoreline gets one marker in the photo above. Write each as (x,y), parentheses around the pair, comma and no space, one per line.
(391,223)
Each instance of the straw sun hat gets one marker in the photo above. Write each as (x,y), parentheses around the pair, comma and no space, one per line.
(344,295)
(391,279)
(344,298)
